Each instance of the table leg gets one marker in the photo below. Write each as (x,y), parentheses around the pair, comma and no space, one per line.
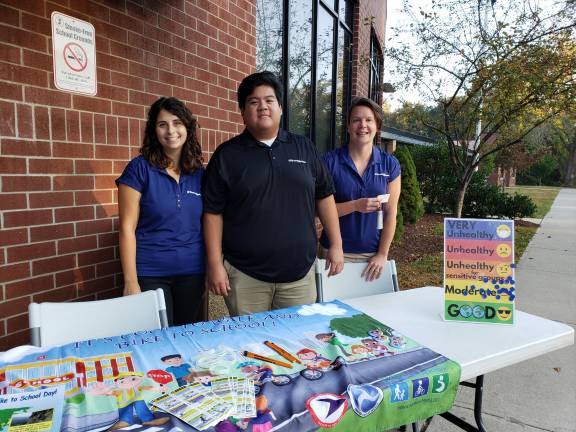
(478,387)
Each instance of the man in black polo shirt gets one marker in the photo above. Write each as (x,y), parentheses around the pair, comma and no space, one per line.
(261,192)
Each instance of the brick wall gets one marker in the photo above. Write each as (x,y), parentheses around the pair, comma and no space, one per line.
(60,153)
(367,15)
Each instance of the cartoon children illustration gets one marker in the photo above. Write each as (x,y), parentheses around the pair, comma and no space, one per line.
(378,335)
(377,349)
(362,350)
(131,405)
(231,424)
(177,367)
(203,377)
(258,373)
(264,416)
(330,338)
(312,359)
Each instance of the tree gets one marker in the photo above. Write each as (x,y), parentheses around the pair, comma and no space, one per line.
(358,326)
(410,204)
(487,65)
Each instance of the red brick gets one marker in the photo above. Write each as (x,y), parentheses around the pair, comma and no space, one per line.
(25,183)
(14,272)
(29,286)
(110,31)
(14,340)
(57,295)
(14,307)
(112,152)
(92,104)
(96,256)
(126,81)
(112,63)
(51,166)
(47,97)
(27,217)
(25,148)
(10,54)
(24,75)
(73,125)
(7,119)
(73,150)
(11,91)
(73,182)
(111,130)
(11,165)
(14,236)
(143,71)
(142,98)
(128,110)
(37,60)
(51,199)
(36,24)
(52,265)
(93,197)
(9,16)
(92,166)
(86,126)
(96,285)
(51,232)
(109,268)
(30,252)
(77,244)
(94,227)
(108,240)
(106,210)
(76,275)
(126,52)
(93,10)
(99,128)
(105,182)
(71,214)
(42,121)
(16,323)
(123,134)
(22,38)
(58,118)
(123,21)
(31,6)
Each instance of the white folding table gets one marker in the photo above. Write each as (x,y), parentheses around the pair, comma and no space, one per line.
(478,348)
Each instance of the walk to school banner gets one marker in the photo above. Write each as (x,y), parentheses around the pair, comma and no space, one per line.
(309,367)
(479,283)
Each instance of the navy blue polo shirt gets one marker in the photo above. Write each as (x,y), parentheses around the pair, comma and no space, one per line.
(359,231)
(267,198)
(169,239)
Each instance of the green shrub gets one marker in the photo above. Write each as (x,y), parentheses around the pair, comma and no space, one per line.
(410,204)
(399,226)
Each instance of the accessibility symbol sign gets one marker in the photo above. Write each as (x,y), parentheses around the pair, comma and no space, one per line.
(74,54)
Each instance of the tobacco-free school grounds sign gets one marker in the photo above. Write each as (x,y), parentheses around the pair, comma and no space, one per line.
(74,51)
(479,281)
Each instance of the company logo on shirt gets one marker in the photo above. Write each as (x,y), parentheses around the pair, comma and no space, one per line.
(193,193)
(296,161)
(382,174)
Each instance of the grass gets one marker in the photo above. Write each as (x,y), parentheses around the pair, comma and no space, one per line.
(428,270)
(543,197)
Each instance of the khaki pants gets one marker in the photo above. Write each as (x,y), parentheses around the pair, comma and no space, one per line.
(348,257)
(248,295)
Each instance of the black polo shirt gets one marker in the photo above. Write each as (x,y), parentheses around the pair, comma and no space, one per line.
(267,198)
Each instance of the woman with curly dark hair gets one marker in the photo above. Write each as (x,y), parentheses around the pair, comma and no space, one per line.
(160,206)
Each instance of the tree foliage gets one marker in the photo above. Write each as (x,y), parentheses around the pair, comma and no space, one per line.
(494,70)
(410,204)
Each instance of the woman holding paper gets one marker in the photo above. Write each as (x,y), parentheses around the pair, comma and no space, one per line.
(367,182)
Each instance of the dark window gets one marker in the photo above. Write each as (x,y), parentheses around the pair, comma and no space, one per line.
(375,82)
(290,35)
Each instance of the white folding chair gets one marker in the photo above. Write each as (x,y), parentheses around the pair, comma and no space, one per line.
(61,323)
(350,283)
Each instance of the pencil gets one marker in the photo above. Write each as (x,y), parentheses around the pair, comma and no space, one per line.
(282,352)
(266,359)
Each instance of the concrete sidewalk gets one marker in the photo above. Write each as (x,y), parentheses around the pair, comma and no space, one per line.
(538,394)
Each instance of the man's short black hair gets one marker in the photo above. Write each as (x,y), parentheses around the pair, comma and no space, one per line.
(171,356)
(258,79)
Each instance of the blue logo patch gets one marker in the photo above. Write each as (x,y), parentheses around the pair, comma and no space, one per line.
(399,392)
(420,387)
(364,398)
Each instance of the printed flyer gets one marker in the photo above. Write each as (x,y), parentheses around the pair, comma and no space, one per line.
(479,283)
(37,411)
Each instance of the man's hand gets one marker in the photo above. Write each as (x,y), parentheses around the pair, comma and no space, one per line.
(217,279)
(375,267)
(367,205)
(131,288)
(334,260)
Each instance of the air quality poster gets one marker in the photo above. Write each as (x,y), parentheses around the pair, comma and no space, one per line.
(479,283)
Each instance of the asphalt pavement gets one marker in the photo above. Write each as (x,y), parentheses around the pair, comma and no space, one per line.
(539,394)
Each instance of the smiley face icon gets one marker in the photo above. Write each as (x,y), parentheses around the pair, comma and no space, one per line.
(503,270)
(503,250)
(503,231)
(504,313)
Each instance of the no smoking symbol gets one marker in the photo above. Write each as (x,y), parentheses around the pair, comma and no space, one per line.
(75,57)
